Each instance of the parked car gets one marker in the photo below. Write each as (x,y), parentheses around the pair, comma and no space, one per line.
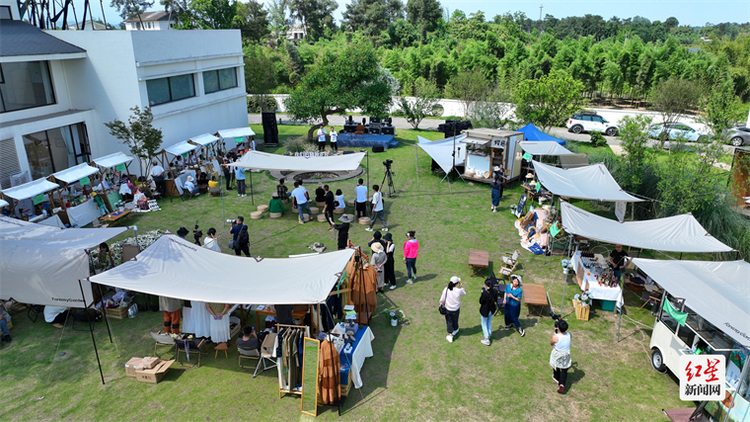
(739,136)
(678,131)
(589,121)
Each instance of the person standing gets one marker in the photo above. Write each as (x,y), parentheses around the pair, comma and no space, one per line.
(157,173)
(487,308)
(390,272)
(499,173)
(343,231)
(240,236)
(219,323)
(300,200)
(559,357)
(328,207)
(360,204)
(618,261)
(451,299)
(211,241)
(239,174)
(321,138)
(378,210)
(411,251)
(497,188)
(334,140)
(282,190)
(377,260)
(227,172)
(4,320)
(172,309)
(513,295)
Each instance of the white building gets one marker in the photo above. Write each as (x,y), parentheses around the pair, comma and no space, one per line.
(150,21)
(296,32)
(58,88)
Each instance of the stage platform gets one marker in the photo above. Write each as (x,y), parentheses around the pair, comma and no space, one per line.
(366,140)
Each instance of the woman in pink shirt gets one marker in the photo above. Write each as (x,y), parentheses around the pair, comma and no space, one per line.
(411,250)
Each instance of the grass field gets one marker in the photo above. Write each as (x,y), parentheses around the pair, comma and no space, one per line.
(414,375)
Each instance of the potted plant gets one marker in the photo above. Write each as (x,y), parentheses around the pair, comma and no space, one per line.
(395,315)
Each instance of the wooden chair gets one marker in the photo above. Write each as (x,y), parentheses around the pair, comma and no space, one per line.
(163,341)
(650,298)
(510,260)
(221,347)
(266,355)
(509,264)
(252,354)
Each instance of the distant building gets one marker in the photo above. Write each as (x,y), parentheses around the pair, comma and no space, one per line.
(90,26)
(296,32)
(150,21)
(58,88)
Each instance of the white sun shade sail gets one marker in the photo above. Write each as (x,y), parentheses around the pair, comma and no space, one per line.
(112,160)
(204,139)
(31,189)
(264,161)
(236,132)
(42,264)
(3,203)
(181,148)
(590,182)
(717,291)
(442,151)
(174,267)
(680,233)
(75,173)
(544,148)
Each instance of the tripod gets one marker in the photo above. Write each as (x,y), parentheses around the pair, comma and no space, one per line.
(391,188)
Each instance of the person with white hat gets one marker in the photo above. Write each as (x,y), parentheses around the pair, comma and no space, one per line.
(190,186)
(377,260)
(343,231)
(451,299)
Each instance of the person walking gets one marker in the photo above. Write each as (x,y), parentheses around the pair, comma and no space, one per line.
(499,173)
(513,295)
(239,174)
(157,173)
(321,138)
(559,357)
(497,188)
(334,140)
(451,299)
(377,260)
(343,231)
(411,251)
(240,236)
(328,207)
(360,204)
(300,200)
(390,271)
(378,209)
(487,308)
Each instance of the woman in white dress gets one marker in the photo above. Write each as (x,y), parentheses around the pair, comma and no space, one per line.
(196,319)
(212,241)
(219,322)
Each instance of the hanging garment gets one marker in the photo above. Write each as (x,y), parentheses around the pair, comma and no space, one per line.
(329,373)
(363,283)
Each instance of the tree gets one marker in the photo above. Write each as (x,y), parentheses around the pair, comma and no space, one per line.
(252,21)
(672,98)
(634,140)
(426,97)
(423,14)
(493,113)
(339,81)
(129,9)
(723,109)
(315,16)
(549,100)
(371,17)
(260,72)
(213,14)
(139,135)
(278,21)
(468,87)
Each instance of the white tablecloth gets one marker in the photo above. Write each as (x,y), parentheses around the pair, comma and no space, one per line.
(363,350)
(83,214)
(597,291)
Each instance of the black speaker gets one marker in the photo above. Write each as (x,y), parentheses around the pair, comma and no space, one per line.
(378,148)
(270,130)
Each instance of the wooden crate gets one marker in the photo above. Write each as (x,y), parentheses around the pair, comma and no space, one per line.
(582,312)
(117,313)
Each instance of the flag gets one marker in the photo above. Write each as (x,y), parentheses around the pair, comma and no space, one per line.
(527,156)
(680,317)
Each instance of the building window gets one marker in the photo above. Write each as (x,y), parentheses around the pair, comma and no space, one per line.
(53,150)
(5,13)
(173,88)
(25,85)
(218,80)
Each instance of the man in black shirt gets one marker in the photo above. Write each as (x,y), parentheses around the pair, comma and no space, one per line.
(343,229)
(328,208)
(248,340)
(618,260)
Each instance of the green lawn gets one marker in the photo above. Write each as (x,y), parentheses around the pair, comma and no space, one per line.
(415,374)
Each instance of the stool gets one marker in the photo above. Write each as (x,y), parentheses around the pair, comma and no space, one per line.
(320,204)
(315,210)
(262,208)
(365,221)
(321,218)
(221,347)
(275,215)
(339,210)
(256,215)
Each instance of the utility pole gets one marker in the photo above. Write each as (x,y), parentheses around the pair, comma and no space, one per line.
(541,22)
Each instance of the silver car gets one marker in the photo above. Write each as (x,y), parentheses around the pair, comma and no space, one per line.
(739,136)
(678,131)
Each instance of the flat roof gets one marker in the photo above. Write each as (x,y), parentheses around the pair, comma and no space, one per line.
(23,39)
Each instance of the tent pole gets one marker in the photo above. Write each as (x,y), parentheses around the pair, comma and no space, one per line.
(619,322)
(221,192)
(252,195)
(106,320)
(566,277)
(736,391)
(91,330)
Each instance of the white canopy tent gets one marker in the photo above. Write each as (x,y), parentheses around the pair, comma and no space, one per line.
(264,161)
(204,139)
(544,148)
(590,182)
(442,151)
(42,264)
(180,148)
(174,267)
(3,203)
(233,134)
(75,173)
(31,189)
(680,233)
(718,291)
(112,160)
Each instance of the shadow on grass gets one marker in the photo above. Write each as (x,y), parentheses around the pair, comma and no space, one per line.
(575,374)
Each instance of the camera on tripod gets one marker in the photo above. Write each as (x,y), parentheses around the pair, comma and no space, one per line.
(387,163)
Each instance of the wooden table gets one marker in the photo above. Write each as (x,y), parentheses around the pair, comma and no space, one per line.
(479,260)
(299,313)
(535,296)
(111,217)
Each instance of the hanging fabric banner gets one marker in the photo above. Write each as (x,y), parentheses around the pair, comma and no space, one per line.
(38,199)
(526,156)
(85,181)
(680,317)
(120,167)
(239,139)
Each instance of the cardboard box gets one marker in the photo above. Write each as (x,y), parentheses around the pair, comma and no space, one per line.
(149,362)
(131,366)
(155,374)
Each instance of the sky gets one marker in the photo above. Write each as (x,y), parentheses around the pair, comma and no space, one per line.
(688,12)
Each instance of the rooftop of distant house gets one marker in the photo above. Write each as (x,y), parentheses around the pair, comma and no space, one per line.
(150,17)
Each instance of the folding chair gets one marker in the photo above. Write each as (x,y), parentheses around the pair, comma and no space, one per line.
(649,299)
(510,260)
(163,341)
(36,310)
(266,355)
(253,354)
(187,348)
(509,264)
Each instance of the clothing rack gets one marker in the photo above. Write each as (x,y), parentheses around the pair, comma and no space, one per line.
(280,359)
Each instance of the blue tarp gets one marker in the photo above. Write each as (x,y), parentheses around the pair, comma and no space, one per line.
(531,133)
(366,140)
